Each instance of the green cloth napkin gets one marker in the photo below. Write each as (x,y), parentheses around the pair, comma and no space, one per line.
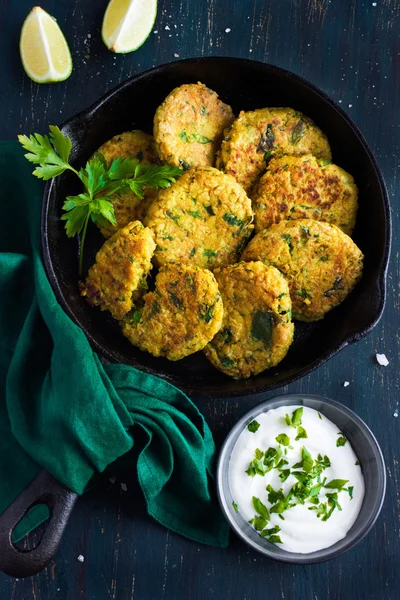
(61,409)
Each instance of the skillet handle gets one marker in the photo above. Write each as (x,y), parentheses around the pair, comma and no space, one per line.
(44,489)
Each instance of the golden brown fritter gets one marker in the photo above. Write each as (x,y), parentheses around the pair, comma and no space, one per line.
(321,263)
(203,219)
(189,125)
(256,329)
(257,135)
(129,207)
(119,274)
(180,317)
(302,187)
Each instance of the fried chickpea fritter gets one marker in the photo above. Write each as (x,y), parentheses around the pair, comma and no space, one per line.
(321,263)
(256,329)
(302,187)
(119,274)
(128,207)
(180,317)
(203,219)
(189,125)
(257,135)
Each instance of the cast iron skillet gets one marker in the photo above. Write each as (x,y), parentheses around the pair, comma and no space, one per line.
(245,85)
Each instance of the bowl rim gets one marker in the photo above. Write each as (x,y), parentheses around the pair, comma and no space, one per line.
(223,463)
(51,269)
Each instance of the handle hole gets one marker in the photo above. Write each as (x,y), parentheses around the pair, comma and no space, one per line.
(34,522)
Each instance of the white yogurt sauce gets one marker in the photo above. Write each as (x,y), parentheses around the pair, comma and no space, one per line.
(301,530)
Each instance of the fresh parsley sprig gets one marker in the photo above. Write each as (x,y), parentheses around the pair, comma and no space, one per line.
(101,180)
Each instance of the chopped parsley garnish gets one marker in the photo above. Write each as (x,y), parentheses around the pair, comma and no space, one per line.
(175,300)
(253,426)
(262,327)
(194,137)
(267,155)
(304,294)
(288,240)
(298,131)
(319,416)
(357,463)
(341,441)
(210,253)
(194,213)
(295,419)
(261,508)
(301,433)
(337,484)
(232,220)
(284,474)
(235,506)
(171,215)
(283,439)
(137,316)
(206,312)
(310,487)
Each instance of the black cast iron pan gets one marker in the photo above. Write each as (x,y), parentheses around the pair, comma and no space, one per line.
(245,85)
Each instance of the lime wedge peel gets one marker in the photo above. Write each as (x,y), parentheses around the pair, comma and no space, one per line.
(127,24)
(45,54)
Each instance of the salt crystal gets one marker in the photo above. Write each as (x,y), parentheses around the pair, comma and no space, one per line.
(112,480)
(374,4)
(395,414)
(81,558)
(350,106)
(227,30)
(346,383)
(176,55)
(167,28)
(124,487)
(382,360)
(155,31)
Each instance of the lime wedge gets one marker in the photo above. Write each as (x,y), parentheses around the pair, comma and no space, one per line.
(44,51)
(128,23)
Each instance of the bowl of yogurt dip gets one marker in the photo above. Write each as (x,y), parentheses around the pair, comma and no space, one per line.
(301,478)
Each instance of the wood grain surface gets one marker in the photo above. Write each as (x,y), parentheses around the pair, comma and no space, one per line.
(350,49)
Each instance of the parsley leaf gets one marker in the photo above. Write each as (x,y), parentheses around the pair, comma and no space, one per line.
(52,154)
(301,433)
(306,459)
(295,419)
(283,439)
(152,176)
(259,523)
(253,426)
(341,441)
(260,508)
(274,495)
(337,484)
(235,506)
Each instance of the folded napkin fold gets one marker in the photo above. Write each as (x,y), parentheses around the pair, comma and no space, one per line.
(62,409)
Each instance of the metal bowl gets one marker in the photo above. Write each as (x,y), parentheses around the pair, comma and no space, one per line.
(368,453)
(244,85)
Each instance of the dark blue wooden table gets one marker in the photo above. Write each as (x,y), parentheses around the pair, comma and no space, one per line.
(350,49)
